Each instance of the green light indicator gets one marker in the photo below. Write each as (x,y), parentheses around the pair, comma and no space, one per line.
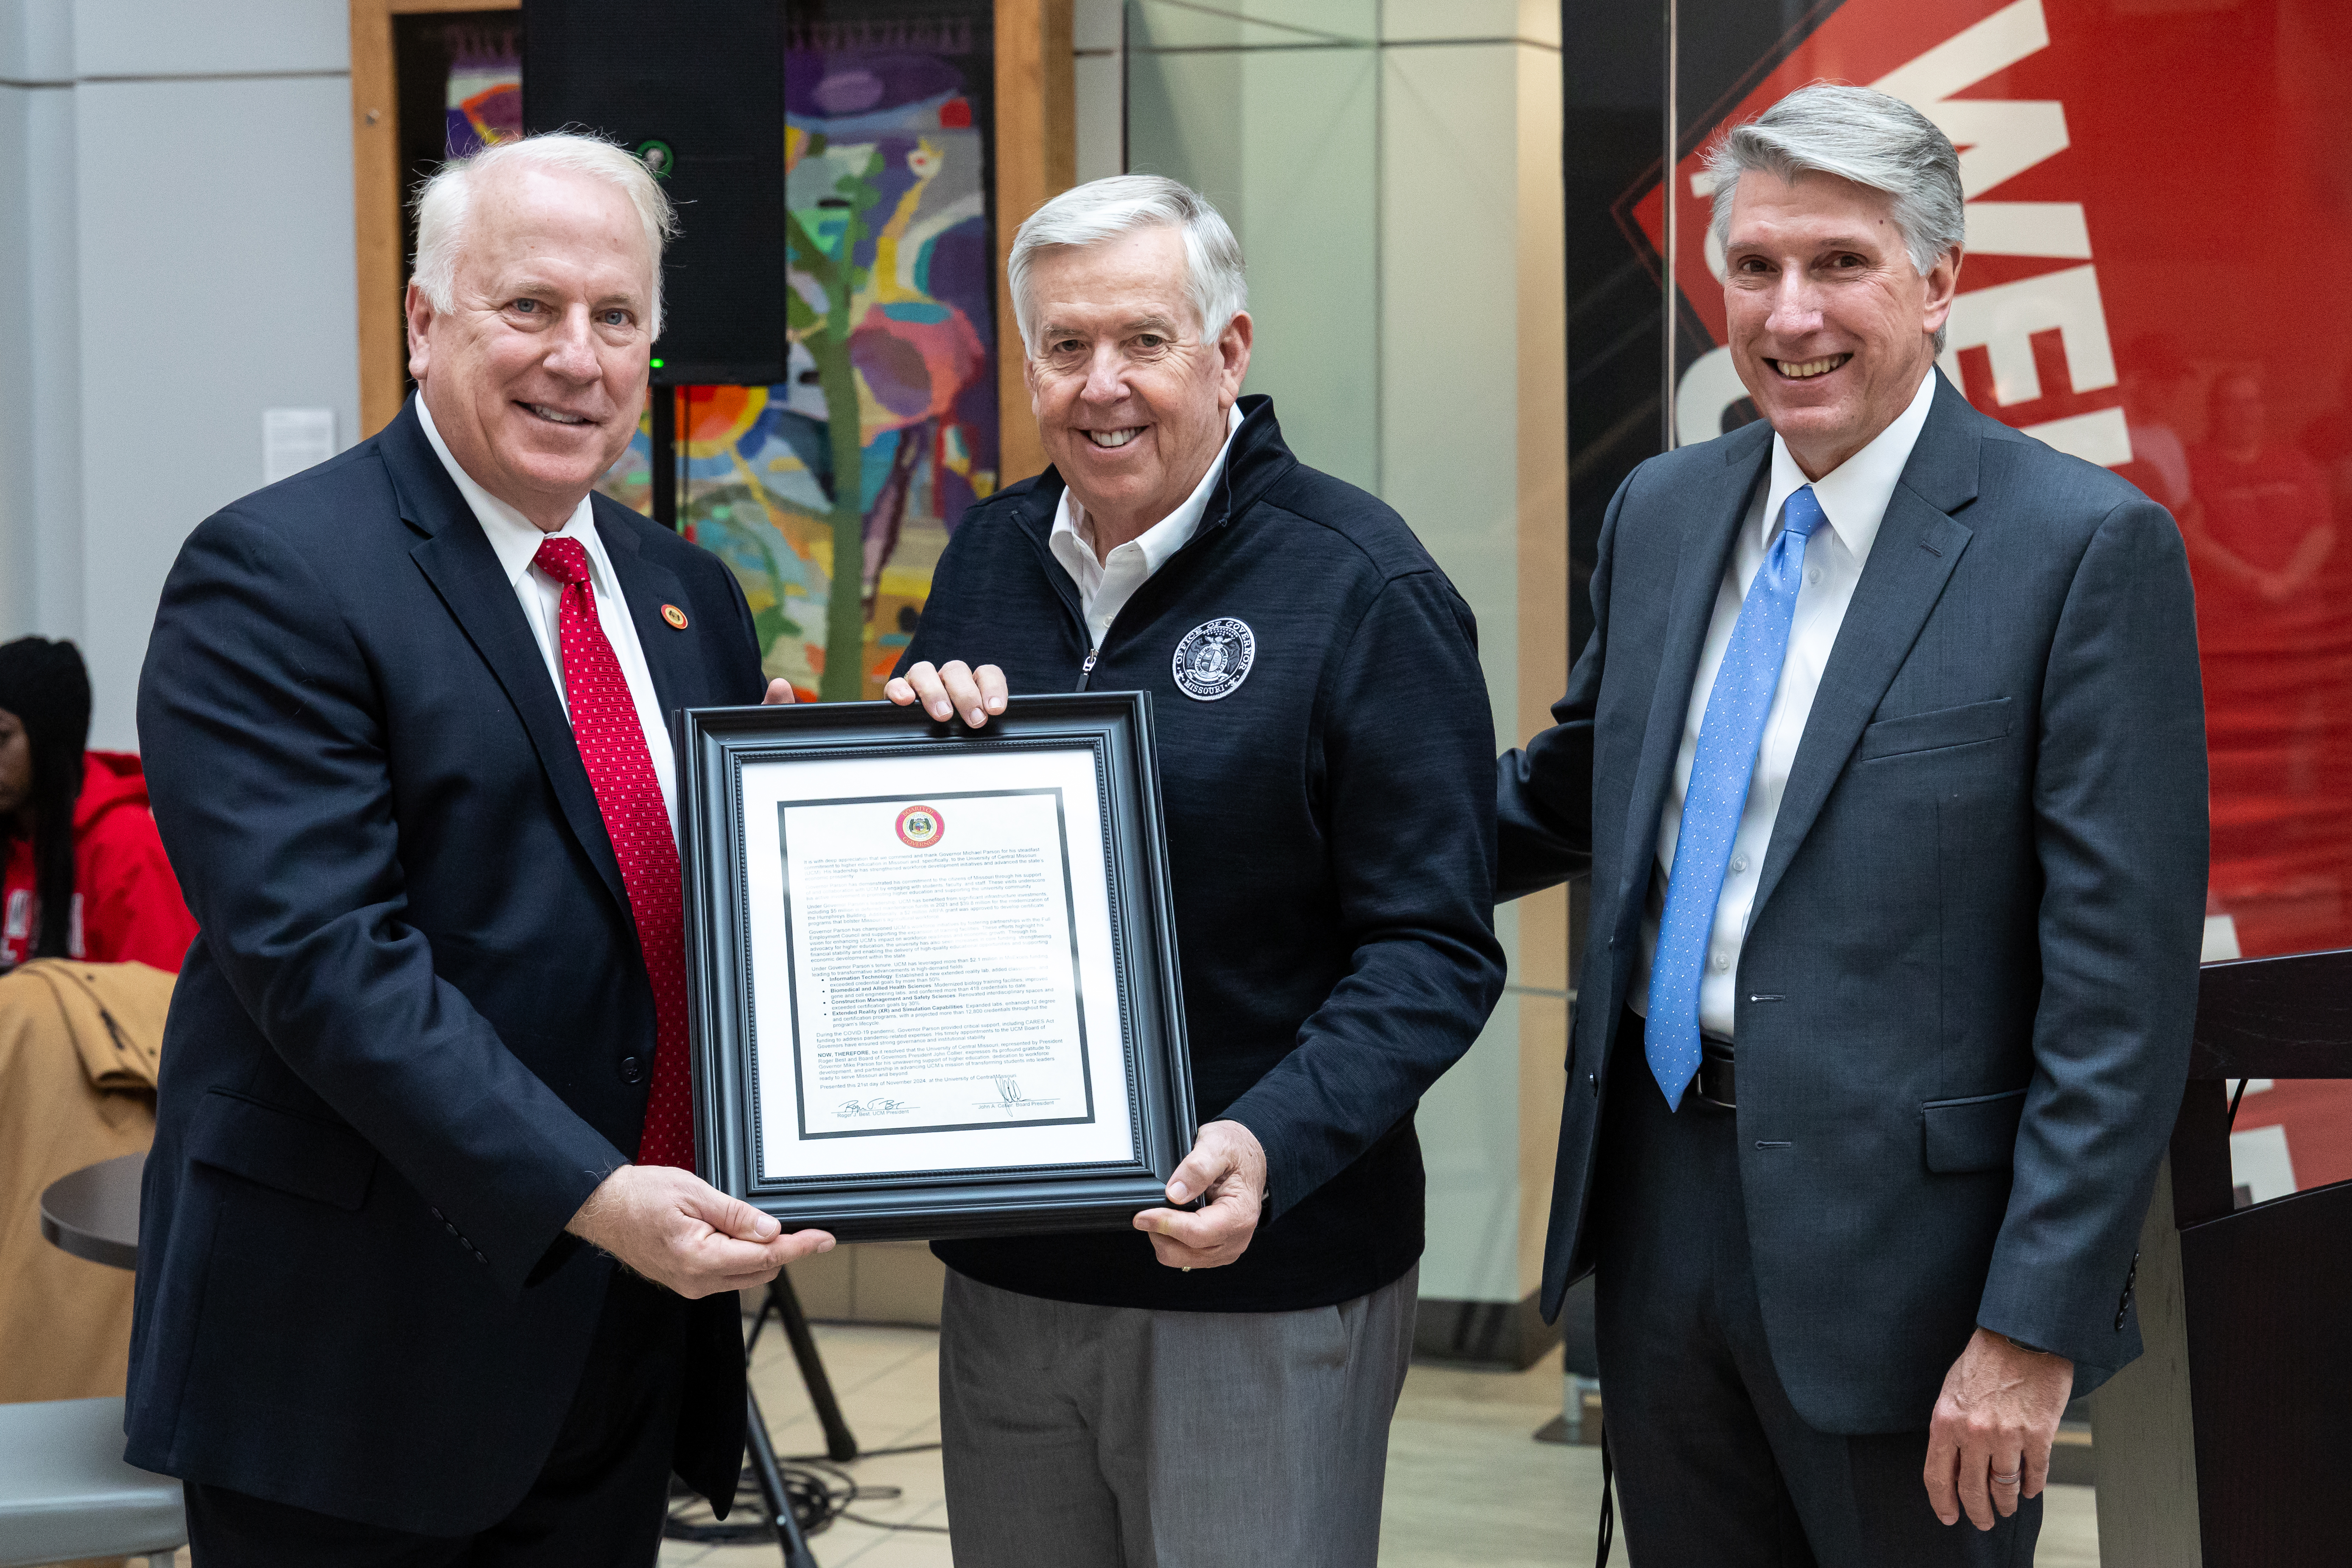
(658,365)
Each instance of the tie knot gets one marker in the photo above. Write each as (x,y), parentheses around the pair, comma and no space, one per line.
(1799,514)
(565,560)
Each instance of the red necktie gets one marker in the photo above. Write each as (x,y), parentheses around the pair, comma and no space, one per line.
(621,770)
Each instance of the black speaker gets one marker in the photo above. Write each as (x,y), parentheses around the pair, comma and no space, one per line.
(696,88)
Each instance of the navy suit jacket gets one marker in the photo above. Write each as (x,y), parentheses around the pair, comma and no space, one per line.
(1964,1002)
(415,1032)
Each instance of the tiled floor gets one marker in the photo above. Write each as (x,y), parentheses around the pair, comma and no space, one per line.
(888,1383)
(1467,1484)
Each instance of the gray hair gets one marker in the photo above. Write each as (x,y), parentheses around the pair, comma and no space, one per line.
(1103,209)
(443,202)
(1857,133)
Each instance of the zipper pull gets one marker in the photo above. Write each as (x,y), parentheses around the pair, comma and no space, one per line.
(1087,668)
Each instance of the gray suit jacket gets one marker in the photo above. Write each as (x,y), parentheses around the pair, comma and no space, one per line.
(1964,1001)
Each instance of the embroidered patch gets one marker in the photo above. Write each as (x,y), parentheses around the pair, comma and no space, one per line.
(1215,658)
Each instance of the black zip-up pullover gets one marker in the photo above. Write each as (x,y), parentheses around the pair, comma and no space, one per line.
(1330,832)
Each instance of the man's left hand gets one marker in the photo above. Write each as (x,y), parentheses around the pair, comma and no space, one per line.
(1994,1421)
(954,691)
(1228,1164)
(777,691)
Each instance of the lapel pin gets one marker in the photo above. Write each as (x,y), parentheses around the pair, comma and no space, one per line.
(675,616)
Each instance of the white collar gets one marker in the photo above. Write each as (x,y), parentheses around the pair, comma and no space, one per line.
(1855,494)
(1171,532)
(513,536)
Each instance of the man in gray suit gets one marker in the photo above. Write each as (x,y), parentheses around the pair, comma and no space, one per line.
(1886,758)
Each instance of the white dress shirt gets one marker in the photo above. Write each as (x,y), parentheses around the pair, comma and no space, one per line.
(1854,497)
(1105,585)
(517,539)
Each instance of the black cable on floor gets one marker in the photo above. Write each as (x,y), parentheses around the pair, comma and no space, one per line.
(862,1454)
(817,1491)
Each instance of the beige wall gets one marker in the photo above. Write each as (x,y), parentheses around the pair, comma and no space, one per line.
(869,1282)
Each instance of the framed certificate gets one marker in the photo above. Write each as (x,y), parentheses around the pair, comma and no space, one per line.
(932,970)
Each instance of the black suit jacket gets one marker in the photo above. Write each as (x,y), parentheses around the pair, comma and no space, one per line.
(1965,997)
(416,1031)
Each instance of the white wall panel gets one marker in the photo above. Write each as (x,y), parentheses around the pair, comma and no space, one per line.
(219,37)
(36,40)
(16,557)
(216,281)
(40,416)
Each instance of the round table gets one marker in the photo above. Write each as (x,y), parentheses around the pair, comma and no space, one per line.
(94,1213)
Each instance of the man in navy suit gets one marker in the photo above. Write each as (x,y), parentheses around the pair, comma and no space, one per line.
(426,1273)
(1886,758)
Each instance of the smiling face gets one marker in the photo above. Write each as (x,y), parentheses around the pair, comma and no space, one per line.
(536,373)
(1832,327)
(1130,401)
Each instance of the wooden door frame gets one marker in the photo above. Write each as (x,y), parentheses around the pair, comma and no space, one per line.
(377,198)
(1035,150)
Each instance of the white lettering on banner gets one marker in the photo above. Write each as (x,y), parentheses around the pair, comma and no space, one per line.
(2004,318)
(2029,228)
(2100,436)
(1710,384)
(1997,139)
(2001,138)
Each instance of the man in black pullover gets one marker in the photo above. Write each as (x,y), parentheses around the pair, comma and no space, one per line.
(1215,1384)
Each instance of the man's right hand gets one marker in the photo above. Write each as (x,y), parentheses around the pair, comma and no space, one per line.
(955,690)
(678,1230)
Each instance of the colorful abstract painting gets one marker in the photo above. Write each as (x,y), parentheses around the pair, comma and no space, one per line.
(832,494)
(483,103)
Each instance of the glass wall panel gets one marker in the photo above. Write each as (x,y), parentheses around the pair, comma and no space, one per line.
(1392,172)
(1272,111)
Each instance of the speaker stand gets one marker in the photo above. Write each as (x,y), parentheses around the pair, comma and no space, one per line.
(663,401)
(840,1444)
(771,1477)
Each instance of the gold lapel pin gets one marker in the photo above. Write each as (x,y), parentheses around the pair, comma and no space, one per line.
(675,616)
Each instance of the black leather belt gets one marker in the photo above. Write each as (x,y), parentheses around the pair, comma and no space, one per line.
(1714,1083)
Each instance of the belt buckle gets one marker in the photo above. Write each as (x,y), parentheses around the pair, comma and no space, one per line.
(1716,1083)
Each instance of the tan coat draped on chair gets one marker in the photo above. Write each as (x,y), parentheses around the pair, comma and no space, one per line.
(79,1047)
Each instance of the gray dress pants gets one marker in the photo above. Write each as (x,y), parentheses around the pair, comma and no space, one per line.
(1082,1437)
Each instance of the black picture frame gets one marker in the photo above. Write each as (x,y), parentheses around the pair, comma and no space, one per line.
(713,746)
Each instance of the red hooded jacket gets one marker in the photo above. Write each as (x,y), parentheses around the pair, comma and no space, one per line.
(127,903)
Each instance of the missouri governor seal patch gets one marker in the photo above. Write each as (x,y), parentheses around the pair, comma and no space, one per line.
(1215,658)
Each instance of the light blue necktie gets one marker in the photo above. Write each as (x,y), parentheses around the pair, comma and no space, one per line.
(1720,771)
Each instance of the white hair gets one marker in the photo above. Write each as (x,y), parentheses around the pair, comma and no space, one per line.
(1104,209)
(1857,133)
(444,201)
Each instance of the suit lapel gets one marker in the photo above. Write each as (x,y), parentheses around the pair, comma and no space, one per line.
(1715,511)
(1911,560)
(456,559)
(647,587)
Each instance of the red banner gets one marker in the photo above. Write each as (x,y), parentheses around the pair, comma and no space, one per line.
(2159,208)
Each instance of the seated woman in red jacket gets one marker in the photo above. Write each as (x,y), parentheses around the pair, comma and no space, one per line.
(84,875)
